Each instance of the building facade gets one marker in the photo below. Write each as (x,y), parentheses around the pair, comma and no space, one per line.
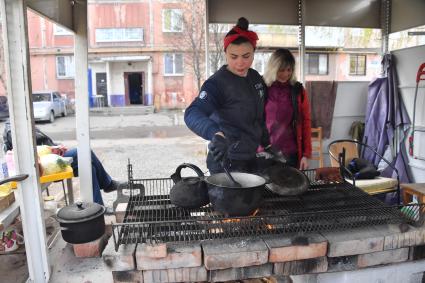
(140,53)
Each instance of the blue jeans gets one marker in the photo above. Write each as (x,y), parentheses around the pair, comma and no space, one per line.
(100,177)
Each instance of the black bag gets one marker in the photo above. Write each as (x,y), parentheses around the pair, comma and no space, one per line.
(363,169)
(40,137)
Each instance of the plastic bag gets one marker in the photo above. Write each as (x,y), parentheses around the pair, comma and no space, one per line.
(53,163)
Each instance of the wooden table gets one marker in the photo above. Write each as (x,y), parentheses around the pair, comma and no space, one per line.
(413,189)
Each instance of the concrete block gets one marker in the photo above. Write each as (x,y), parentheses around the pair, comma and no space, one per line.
(177,255)
(233,253)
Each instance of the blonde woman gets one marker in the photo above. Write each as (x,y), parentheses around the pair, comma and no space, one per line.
(287,110)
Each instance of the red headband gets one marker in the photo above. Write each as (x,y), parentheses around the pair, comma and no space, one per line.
(250,35)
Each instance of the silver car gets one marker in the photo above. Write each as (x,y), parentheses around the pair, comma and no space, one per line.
(47,105)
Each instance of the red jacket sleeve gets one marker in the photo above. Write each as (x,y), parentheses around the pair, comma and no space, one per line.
(304,110)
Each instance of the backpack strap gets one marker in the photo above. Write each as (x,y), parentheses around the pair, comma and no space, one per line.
(295,91)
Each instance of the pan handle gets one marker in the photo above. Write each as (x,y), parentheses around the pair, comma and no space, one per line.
(15,178)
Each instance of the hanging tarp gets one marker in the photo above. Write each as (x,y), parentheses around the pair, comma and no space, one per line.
(387,122)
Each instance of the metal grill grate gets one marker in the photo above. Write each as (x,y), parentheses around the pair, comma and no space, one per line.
(151,218)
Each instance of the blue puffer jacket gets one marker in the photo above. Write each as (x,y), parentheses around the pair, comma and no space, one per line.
(235,106)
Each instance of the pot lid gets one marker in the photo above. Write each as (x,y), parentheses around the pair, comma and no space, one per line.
(80,211)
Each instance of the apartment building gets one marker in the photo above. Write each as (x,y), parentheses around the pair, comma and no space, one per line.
(140,54)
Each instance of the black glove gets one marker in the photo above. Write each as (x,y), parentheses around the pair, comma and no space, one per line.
(218,147)
(277,154)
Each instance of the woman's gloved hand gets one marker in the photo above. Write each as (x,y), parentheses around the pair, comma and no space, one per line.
(218,147)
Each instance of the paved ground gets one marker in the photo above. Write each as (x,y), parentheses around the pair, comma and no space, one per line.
(155,144)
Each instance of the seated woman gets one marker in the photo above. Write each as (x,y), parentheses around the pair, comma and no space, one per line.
(100,178)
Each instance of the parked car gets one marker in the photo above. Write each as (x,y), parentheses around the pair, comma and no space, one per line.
(4,108)
(48,105)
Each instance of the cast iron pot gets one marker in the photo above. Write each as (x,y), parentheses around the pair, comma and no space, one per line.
(235,201)
(189,192)
(285,180)
(82,222)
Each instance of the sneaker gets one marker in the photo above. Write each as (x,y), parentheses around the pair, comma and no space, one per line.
(114,185)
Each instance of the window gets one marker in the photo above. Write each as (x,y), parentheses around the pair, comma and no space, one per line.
(172,20)
(65,67)
(260,61)
(357,65)
(58,30)
(216,61)
(119,34)
(317,64)
(173,64)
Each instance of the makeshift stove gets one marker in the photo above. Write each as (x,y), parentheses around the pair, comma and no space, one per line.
(332,224)
(151,218)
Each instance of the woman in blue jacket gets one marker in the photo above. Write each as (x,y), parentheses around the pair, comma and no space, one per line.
(229,110)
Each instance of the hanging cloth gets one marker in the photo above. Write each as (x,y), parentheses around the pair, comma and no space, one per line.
(387,122)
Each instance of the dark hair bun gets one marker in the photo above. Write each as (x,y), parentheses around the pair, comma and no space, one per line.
(243,23)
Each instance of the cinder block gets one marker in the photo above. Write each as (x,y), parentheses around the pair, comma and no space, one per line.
(240,273)
(188,274)
(384,257)
(123,259)
(281,248)
(233,253)
(178,255)
(90,249)
(306,266)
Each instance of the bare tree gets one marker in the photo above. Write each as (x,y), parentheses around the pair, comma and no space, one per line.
(192,39)
(216,55)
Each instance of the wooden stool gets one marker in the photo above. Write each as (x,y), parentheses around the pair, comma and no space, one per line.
(413,189)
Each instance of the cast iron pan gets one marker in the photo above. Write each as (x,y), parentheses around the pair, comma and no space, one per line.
(285,180)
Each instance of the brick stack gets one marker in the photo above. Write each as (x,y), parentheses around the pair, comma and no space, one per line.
(264,256)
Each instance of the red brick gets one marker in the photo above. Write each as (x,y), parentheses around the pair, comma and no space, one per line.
(241,273)
(233,253)
(187,274)
(281,248)
(313,265)
(128,276)
(122,260)
(120,212)
(90,249)
(384,257)
(178,255)
(153,251)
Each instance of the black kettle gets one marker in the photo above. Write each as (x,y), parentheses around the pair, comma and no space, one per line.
(189,192)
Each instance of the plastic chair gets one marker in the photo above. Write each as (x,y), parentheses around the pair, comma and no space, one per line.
(316,142)
(341,152)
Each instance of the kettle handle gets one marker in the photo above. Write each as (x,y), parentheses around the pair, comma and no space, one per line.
(176,177)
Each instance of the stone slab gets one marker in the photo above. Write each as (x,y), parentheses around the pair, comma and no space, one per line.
(240,273)
(178,255)
(384,257)
(189,274)
(297,267)
(122,260)
(233,253)
(281,248)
